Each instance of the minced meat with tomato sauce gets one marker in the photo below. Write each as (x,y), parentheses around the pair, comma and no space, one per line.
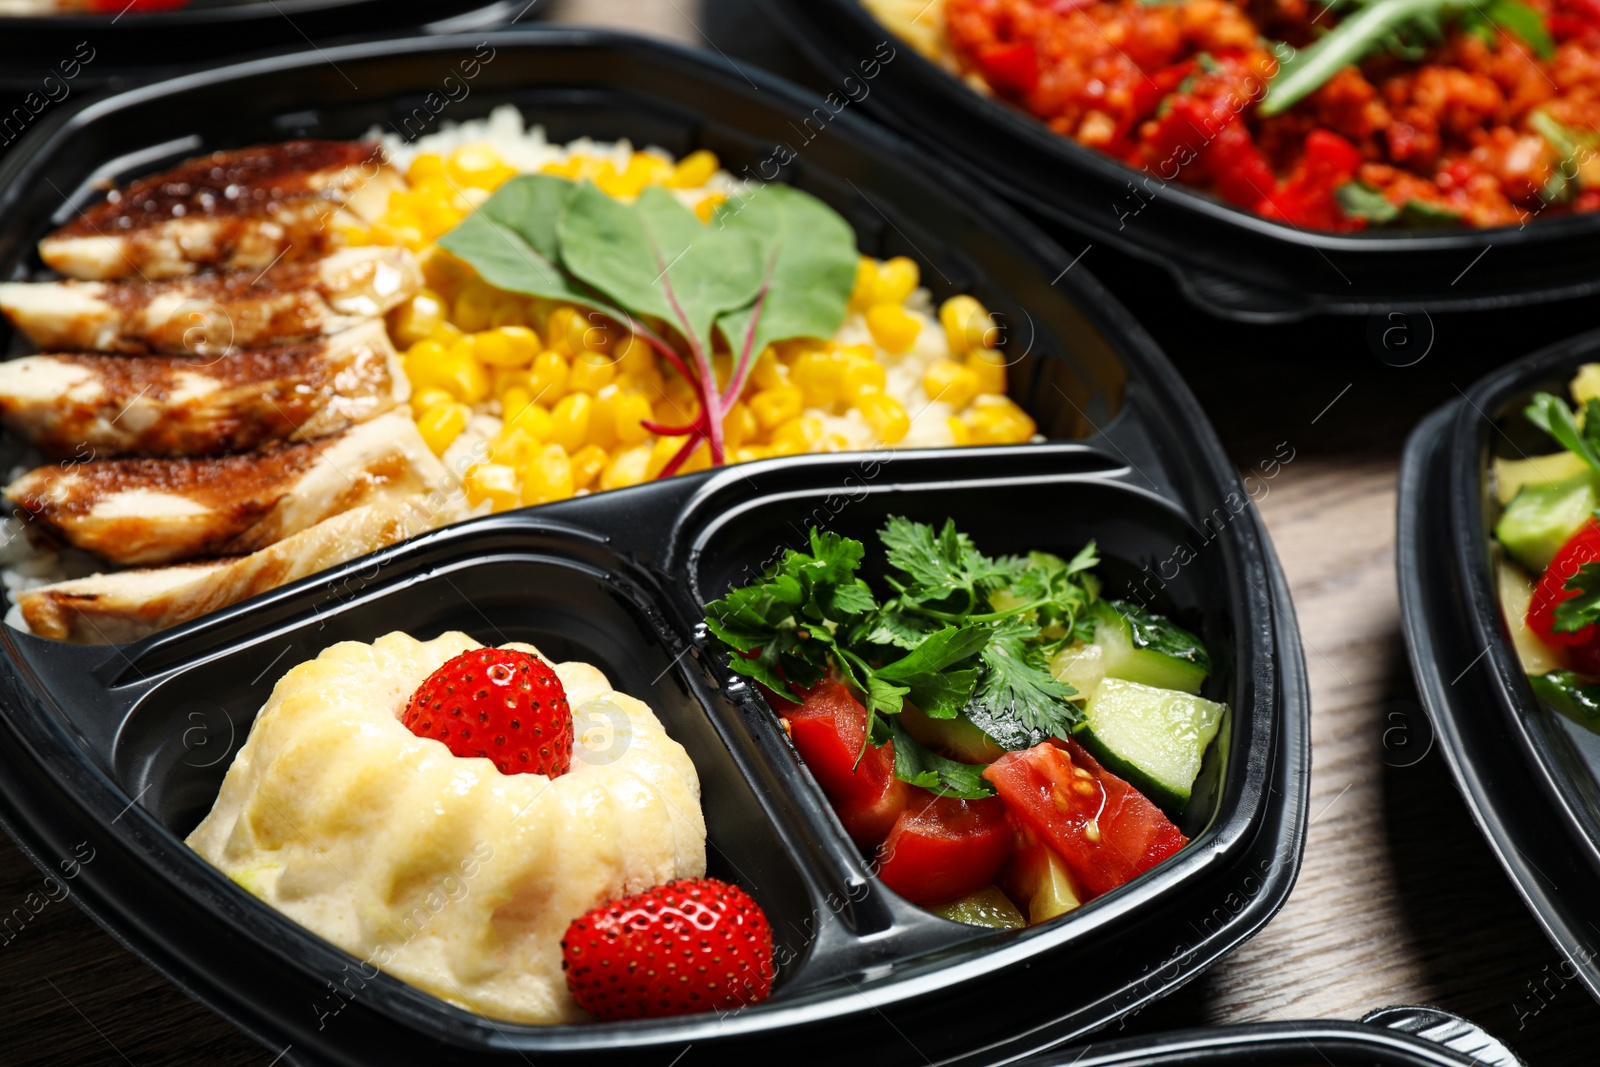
(1491,123)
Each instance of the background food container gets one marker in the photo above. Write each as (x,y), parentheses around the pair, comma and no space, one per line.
(127,746)
(1227,261)
(1530,776)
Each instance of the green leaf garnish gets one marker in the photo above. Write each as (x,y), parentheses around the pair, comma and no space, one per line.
(915,763)
(1574,613)
(1551,414)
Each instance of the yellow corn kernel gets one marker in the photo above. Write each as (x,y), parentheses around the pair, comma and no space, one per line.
(706,209)
(535,420)
(802,432)
(739,425)
(634,357)
(547,380)
(473,307)
(570,421)
(898,278)
(661,454)
(563,325)
(893,327)
(819,373)
(629,467)
(833,442)
(446,334)
(789,447)
(886,416)
(681,392)
(669,413)
(778,405)
(591,372)
(951,382)
(418,317)
(441,425)
(429,365)
(768,373)
(959,433)
(508,309)
(587,332)
(503,380)
(862,377)
(990,366)
(628,415)
(479,166)
(507,346)
(997,420)
(431,397)
(513,447)
(865,292)
(967,325)
(750,453)
(427,165)
(465,375)
(494,482)
(587,465)
(603,417)
(548,477)
(699,459)
(694,170)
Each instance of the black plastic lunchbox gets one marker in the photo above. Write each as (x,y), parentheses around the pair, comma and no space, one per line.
(1227,261)
(1530,776)
(125,747)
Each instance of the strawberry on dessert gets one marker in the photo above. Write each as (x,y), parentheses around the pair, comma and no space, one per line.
(443,811)
(696,944)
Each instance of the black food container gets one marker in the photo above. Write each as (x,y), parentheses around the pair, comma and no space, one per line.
(1227,261)
(124,748)
(1530,776)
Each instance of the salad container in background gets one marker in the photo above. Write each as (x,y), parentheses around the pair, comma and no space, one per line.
(100,744)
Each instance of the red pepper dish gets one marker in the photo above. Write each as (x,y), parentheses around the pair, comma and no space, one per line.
(1336,117)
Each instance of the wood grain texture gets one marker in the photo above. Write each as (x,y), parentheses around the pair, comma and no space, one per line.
(1399,900)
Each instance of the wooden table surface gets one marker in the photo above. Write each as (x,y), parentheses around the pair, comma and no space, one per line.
(1399,900)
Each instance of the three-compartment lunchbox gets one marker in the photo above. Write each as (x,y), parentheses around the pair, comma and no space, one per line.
(125,746)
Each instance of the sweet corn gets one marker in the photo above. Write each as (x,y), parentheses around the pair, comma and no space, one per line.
(473,307)
(768,372)
(990,367)
(997,420)
(429,365)
(865,292)
(750,453)
(863,377)
(706,209)
(832,442)
(547,380)
(802,433)
(628,416)
(432,397)
(494,482)
(776,405)
(443,272)
(428,166)
(570,421)
(739,425)
(661,454)
(898,278)
(441,425)
(634,357)
(603,417)
(693,170)
(548,477)
(507,346)
(893,327)
(513,447)
(418,317)
(819,373)
(629,467)
(951,382)
(967,325)
(479,166)
(535,420)
(959,433)
(886,416)
(508,309)
(587,465)
(591,372)
(446,334)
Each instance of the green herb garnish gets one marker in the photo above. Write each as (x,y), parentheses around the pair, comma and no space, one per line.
(1551,414)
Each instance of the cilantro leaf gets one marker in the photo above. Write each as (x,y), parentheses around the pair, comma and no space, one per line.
(1551,414)
(940,565)
(1018,683)
(915,763)
(895,626)
(928,670)
(1575,613)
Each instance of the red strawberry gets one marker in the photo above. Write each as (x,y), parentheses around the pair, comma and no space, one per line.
(696,944)
(499,703)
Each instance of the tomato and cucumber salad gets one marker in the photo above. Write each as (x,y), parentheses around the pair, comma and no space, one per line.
(1005,742)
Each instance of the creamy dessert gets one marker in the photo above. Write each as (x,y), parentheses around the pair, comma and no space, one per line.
(439,868)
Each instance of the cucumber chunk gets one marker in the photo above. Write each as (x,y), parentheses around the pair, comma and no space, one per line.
(1510,475)
(1543,517)
(1081,666)
(986,907)
(1139,647)
(956,738)
(1037,877)
(1155,738)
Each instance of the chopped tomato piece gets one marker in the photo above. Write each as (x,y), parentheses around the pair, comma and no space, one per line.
(1309,196)
(942,848)
(1105,830)
(1011,68)
(1583,645)
(828,727)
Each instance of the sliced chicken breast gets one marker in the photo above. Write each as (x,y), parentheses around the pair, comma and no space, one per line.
(244,209)
(212,314)
(124,606)
(91,406)
(153,511)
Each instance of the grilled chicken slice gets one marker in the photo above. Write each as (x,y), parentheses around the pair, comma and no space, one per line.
(90,406)
(239,210)
(211,314)
(127,605)
(153,511)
